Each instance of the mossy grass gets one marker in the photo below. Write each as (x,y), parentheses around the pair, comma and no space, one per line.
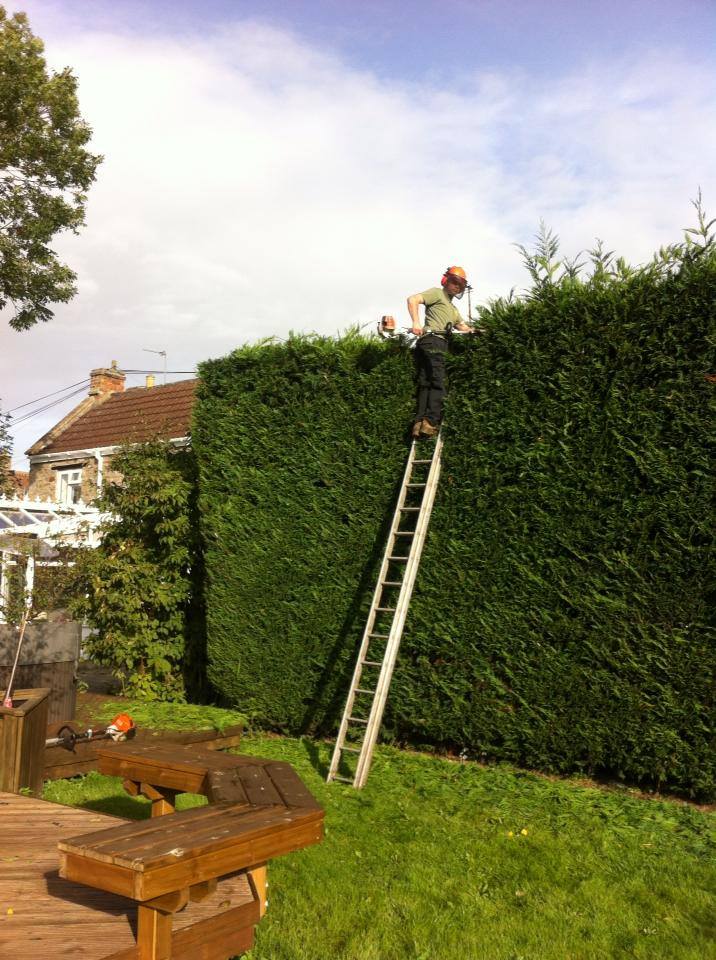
(160,715)
(437,859)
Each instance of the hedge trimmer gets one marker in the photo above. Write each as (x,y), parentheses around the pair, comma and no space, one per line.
(119,729)
(387,330)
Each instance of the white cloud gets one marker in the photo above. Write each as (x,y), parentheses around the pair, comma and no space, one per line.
(254,184)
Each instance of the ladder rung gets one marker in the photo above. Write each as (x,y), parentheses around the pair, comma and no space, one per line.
(422,461)
(392,583)
(379,636)
(405,533)
(350,749)
(415,485)
(385,609)
(371,663)
(356,720)
(410,509)
(398,558)
(362,690)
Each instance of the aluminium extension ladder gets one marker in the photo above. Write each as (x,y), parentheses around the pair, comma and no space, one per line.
(373,671)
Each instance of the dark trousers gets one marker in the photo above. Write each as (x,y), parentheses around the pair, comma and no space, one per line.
(430,364)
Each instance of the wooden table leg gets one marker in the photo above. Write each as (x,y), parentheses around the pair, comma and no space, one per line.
(154,925)
(154,934)
(163,799)
(259,882)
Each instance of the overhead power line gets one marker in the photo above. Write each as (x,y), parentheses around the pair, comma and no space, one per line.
(48,406)
(80,383)
(157,371)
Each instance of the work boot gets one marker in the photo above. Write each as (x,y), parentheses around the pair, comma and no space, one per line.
(428,430)
(416,428)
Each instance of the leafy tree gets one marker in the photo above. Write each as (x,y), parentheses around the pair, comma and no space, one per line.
(142,587)
(45,171)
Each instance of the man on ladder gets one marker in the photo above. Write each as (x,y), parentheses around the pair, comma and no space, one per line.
(375,663)
(441,318)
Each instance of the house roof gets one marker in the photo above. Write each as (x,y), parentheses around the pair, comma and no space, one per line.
(20,480)
(134,415)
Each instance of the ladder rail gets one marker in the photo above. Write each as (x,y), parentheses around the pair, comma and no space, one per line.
(396,631)
(399,611)
(370,623)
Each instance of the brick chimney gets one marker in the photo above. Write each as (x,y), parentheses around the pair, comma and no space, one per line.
(106,380)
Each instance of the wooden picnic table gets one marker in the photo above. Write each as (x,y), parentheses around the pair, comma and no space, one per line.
(188,885)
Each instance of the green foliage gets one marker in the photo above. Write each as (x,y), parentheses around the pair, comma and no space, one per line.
(563,617)
(45,171)
(578,629)
(300,447)
(52,586)
(141,588)
(6,485)
(15,604)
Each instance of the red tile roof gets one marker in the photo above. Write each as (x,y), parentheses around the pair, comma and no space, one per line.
(133,415)
(20,480)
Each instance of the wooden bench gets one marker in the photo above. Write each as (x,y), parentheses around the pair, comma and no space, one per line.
(258,809)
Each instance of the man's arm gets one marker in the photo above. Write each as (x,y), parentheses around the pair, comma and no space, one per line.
(413,305)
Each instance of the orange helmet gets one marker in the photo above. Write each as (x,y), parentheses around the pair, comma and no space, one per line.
(120,727)
(457,272)
(123,722)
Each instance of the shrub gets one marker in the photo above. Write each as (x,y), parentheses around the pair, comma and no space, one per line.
(141,589)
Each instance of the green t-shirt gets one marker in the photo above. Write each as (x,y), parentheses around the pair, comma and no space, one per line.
(439,311)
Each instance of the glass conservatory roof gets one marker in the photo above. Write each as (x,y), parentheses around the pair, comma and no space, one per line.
(45,519)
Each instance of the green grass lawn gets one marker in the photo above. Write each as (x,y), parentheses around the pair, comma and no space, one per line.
(436,859)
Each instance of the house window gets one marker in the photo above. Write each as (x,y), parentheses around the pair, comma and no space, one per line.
(69,486)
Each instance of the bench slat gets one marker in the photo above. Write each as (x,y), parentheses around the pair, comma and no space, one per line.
(177,836)
(292,789)
(260,788)
(103,840)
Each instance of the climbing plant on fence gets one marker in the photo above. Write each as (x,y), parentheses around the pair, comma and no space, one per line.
(564,610)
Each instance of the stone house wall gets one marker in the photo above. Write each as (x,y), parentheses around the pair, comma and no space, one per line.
(43,477)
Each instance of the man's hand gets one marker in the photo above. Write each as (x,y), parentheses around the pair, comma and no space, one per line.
(413,305)
(468,328)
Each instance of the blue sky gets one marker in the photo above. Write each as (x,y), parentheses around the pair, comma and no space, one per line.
(305,166)
(448,40)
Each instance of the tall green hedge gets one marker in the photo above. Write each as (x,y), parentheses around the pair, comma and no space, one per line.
(564,611)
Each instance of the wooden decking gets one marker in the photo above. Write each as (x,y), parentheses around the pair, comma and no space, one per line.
(43,916)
